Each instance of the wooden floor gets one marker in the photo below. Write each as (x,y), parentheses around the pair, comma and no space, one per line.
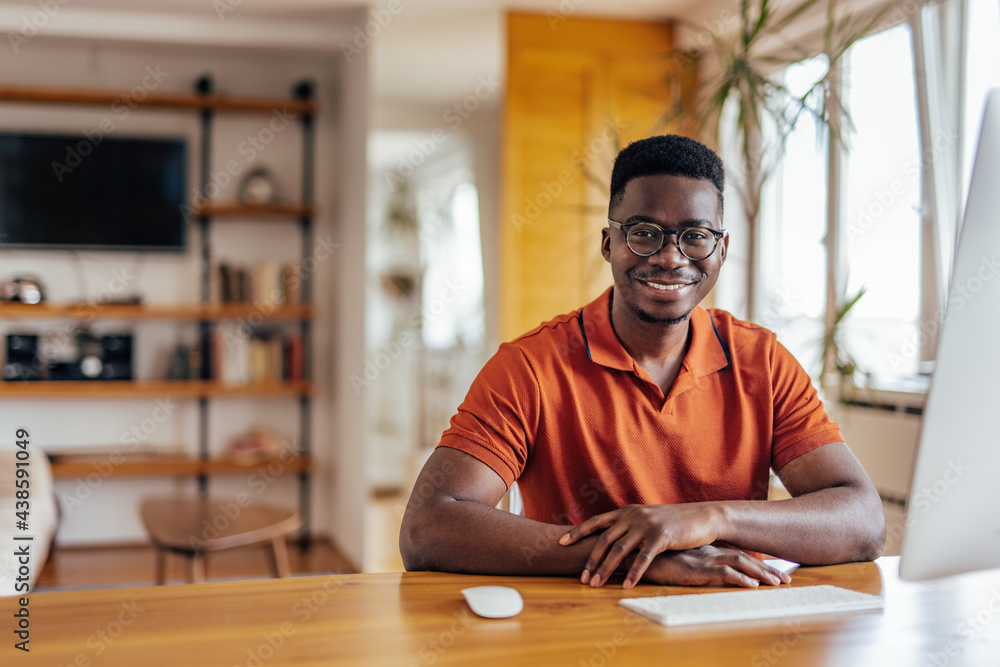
(133,566)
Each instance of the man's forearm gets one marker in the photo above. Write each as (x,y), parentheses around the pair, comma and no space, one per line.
(834,525)
(470,537)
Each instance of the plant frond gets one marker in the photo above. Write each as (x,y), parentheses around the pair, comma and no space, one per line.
(792,15)
(846,306)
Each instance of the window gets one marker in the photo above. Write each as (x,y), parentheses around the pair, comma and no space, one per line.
(881,194)
(881,225)
(981,73)
(793,229)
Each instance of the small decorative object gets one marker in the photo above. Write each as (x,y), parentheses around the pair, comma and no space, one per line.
(258,444)
(259,187)
(178,366)
(22,289)
(399,284)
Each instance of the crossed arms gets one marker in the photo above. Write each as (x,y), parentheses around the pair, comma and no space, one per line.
(451,524)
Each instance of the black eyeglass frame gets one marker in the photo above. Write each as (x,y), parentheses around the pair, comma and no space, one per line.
(625,226)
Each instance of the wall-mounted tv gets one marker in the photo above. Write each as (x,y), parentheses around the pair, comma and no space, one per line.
(100,193)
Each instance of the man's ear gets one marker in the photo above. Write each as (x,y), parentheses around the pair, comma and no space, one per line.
(606,243)
(724,250)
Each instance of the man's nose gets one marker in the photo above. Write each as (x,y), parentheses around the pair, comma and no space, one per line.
(669,255)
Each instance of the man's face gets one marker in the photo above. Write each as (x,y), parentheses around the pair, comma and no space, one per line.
(666,286)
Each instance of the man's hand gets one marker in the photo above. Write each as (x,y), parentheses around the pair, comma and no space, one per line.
(650,529)
(712,566)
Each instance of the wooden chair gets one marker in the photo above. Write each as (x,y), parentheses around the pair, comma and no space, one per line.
(191,527)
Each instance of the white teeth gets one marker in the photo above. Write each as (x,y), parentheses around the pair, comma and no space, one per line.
(666,287)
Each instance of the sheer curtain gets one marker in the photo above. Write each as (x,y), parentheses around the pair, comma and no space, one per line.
(939,50)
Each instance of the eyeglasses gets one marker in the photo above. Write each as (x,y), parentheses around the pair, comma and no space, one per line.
(645,239)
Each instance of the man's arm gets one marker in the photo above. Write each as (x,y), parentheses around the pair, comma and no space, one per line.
(451,524)
(835,516)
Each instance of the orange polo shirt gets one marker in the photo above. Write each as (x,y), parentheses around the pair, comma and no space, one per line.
(566,412)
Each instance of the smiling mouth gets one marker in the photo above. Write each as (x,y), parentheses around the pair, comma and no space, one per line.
(665,287)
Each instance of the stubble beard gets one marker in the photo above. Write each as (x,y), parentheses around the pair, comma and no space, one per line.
(646,316)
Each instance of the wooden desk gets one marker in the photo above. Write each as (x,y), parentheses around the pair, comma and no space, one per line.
(421,619)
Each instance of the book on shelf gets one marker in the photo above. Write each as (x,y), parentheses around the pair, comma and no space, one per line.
(261,357)
(237,357)
(264,282)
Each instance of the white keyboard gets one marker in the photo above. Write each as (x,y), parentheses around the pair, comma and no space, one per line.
(751,604)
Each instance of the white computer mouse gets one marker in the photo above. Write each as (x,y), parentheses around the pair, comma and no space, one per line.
(493,601)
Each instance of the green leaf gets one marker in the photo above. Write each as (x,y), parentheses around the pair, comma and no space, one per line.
(845,308)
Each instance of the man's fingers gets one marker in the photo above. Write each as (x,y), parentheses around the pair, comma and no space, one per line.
(758,570)
(613,558)
(639,567)
(591,525)
(737,578)
(602,545)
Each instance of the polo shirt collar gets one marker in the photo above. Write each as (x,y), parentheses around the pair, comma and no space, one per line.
(707,353)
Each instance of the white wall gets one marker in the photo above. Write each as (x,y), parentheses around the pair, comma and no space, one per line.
(109,512)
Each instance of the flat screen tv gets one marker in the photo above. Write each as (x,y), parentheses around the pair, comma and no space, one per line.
(118,193)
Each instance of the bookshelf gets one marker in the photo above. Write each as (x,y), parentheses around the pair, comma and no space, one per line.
(202,310)
(138,312)
(196,101)
(151,389)
(69,466)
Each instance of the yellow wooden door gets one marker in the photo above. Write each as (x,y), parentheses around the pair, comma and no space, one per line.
(578,89)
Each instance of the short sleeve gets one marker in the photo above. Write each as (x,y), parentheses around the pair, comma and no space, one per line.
(498,420)
(800,422)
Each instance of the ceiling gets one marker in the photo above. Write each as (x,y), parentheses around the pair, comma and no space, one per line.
(319,8)
(431,53)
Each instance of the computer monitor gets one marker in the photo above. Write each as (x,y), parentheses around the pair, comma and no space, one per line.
(953,507)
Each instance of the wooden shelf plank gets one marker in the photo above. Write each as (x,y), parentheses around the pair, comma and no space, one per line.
(70,96)
(118,311)
(148,389)
(232,209)
(69,466)
(234,311)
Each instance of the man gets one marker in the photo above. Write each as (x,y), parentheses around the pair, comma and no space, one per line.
(641,429)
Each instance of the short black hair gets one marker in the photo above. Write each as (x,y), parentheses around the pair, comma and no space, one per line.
(670,154)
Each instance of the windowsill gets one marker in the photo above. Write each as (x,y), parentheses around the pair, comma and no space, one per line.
(906,395)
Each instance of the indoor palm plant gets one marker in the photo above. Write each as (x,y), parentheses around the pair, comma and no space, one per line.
(748,76)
